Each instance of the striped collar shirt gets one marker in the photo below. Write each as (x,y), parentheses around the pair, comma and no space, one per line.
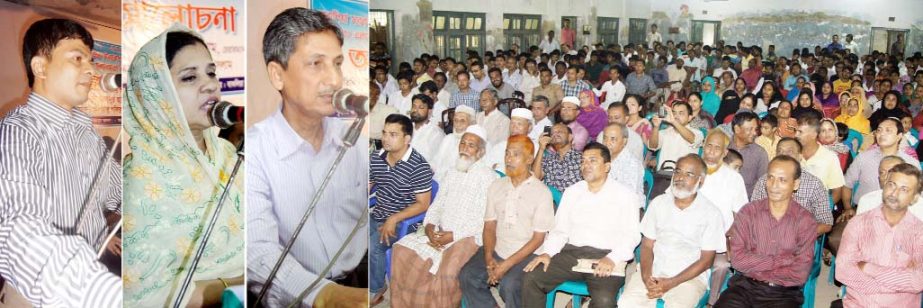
(811,195)
(49,158)
(891,276)
(396,187)
(469,97)
(770,250)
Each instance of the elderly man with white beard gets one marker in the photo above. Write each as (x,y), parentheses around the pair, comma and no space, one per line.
(682,231)
(448,149)
(725,188)
(520,124)
(425,264)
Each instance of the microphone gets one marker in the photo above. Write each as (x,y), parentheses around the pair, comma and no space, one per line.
(344,100)
(110,82)
(224,114)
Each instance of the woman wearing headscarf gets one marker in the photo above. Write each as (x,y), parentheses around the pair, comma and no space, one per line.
(177,169)
(851,115)
(730,99)
(804,103)
(890,108)
(591,116)
(710,101)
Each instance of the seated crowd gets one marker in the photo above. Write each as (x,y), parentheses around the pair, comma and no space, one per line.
(680,175)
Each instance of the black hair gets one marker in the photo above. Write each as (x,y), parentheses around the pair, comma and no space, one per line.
(684,104)
(772,120)
(430,86)
(619,105)
(788,159)
(288,27)
(494,70)
(790,139)
(404,121)
(732,156)
(745,116)
(425,98)
(178,40)
(43,36)
(406,76)
(603,150)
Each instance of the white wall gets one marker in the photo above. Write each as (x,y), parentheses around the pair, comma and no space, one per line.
(413,38)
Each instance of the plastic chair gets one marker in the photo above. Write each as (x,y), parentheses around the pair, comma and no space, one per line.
(853,135)
(578,290)
(404,227)
(649,181)
(555,195)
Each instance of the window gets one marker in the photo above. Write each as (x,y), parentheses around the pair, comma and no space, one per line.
(381,30)
(522,30)
(455,33)
(637,30)
(706,31)
(608,30)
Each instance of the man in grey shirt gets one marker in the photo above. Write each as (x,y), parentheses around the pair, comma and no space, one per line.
(639,83)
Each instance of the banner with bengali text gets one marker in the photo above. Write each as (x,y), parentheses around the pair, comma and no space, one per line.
(221,23)
(352,16)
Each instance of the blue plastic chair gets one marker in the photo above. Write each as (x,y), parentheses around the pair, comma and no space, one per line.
(555,195)
(404,227)
(649,181)
(578,290)
(853,135)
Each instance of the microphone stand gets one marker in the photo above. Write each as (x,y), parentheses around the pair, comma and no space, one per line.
(211,226)
(349,140)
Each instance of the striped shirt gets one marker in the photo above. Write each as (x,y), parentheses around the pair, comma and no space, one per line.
(470,98)
(48,161)
(770,250)
(891,276)
(396,187)
(811,195)
(283,175)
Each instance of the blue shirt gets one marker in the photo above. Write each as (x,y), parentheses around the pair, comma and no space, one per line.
(396,187)
(283,173)
(470,98)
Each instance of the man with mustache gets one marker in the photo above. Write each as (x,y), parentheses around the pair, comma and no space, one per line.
(559,165)
(725,188)
(598,221)
(872,200)
(427,134)
(519,214)
(425,265)
(881,253)
(771,244)
(520,124)
(682,231)
(495,122)
(49,156)
(448,149)
(287,155)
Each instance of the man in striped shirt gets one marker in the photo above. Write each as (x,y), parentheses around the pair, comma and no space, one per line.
(403,181)
(881,255)
(771,244)
(55,179)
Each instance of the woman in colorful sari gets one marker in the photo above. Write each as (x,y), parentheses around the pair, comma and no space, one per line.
(591,116)
(177,169)
(828,100)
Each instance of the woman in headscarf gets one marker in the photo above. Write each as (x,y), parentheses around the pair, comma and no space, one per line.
(890,108)
(805,103)
(177,169)
(859,94)
(730,99)
(591,116)
(851,115)
(710,100)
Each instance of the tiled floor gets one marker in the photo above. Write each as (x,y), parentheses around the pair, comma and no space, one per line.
(825,293)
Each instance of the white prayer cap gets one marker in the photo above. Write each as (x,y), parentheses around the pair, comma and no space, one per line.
(571,99)
(477,130)
(465,109)
(522,113)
